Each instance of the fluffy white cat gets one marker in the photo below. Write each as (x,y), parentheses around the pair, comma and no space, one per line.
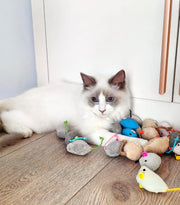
(91,109)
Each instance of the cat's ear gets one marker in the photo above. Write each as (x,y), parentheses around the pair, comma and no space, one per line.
(118,79)
(88,81)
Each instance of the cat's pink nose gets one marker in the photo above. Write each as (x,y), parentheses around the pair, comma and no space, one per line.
(102,111)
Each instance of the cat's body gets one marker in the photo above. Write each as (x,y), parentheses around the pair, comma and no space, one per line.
(90,110)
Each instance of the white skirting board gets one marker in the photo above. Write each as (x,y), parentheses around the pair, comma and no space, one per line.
(157,110)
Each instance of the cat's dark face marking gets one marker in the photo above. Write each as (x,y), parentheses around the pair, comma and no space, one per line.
(93,95)
(110,97)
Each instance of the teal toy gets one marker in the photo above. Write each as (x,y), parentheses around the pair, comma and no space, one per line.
(129,127)
(129,132)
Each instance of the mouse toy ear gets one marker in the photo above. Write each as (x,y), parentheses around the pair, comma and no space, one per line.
(88,81)
(118,80)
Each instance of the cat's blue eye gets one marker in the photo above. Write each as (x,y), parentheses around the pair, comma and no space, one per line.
(110,99)
(94,99)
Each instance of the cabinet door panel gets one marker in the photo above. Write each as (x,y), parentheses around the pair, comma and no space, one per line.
(106,36)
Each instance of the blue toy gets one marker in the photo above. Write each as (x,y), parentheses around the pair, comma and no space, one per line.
(128,127)
(129,132)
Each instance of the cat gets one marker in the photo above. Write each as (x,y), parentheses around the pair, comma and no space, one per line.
(90,107)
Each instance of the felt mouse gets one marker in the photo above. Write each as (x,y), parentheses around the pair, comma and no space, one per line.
(78,146)
(150,160)
(157,145)
(177,151)
(152,182)
(174,138)
(132,150)
(129,127)
(75,144)
(164,128)
(149,129)
(112,149)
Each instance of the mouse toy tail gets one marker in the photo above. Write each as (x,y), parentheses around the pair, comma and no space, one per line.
(174,189)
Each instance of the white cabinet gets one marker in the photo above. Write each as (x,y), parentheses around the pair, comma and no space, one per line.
(106,36)
(177,76)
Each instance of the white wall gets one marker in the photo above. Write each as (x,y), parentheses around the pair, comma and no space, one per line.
(17,61)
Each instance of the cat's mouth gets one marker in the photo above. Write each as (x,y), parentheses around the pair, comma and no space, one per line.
(102,111)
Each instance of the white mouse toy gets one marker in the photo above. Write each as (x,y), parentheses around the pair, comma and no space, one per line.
(152,182)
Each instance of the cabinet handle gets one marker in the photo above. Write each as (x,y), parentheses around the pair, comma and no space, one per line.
(165,46)
(179,88)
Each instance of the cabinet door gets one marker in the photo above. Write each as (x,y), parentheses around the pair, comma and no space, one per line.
(177,76)
(106,36)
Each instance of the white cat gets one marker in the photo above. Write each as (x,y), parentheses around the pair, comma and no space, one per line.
(91,109)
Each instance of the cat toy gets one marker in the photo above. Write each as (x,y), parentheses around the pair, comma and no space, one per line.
(129,127)
(164,129)
(132,150)
(149,129)
(152,182)
(177,151)
(158,145)
(150,160)
(75,144)
(174,138)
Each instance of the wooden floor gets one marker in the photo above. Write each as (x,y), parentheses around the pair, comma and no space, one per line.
(40,171)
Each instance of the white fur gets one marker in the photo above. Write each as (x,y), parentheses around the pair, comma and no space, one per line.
(43,109)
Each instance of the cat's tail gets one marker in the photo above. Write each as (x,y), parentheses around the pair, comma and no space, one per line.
(1,126)
(9,139)
(2,108)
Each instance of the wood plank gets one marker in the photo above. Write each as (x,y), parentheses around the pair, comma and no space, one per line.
(44,173)
(18,144)
(116,184)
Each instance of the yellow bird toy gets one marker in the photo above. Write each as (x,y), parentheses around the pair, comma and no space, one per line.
(152,182)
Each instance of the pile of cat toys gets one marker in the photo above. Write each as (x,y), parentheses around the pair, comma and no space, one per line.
(161,137)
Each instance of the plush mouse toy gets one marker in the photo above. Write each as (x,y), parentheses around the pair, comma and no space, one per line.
(129,127)
(177,151)
(152,182)
(174,138)
(158,145)
(131,150)
(149,129)
(74,144)
(150,160)
(164,128)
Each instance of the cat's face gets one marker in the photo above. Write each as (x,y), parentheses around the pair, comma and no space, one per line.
(105,96)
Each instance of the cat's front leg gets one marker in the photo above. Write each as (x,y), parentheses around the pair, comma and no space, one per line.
(94,138)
